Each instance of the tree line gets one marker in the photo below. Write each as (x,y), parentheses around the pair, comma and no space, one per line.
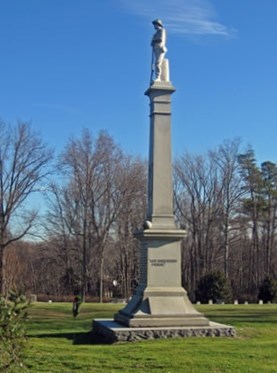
(95,197)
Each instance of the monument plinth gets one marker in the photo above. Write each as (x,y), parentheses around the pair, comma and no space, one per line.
(159,307)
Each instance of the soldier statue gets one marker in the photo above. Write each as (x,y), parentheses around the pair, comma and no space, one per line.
(159,49)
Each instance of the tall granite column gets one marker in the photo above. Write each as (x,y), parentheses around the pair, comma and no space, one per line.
(160,300)
(160,196)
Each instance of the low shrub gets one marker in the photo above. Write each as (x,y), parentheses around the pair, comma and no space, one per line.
(268,290)
(13,316)
(213,286)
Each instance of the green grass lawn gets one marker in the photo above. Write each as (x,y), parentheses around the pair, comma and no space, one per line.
(59,343)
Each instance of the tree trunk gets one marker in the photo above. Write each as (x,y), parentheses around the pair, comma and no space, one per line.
(226,246)
(2,273)
(101,278)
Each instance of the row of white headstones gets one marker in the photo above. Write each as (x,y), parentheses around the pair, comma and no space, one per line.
(236,302)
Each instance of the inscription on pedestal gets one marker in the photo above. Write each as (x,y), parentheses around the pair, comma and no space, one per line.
(164,264)
(161,262)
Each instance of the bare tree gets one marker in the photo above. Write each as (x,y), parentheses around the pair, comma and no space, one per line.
(197,199)
(24,160)
(95,210)
(64,244)
(230,191)
(92,198)
(207,195)
(130,219)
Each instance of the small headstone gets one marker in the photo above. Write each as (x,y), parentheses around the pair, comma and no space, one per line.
(236,302)
(198,302)
(210,301)
(33,298)
(261,301)
(50,301)
(246,302)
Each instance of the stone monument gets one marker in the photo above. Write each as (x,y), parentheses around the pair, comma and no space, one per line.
(160,306)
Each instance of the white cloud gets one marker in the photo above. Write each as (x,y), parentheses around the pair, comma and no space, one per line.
(185,17)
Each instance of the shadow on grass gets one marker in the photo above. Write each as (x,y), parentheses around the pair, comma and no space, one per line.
(88,338)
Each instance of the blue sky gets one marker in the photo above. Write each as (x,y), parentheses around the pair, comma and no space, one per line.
(70,64)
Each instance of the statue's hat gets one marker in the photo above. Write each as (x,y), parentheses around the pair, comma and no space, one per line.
(157,22)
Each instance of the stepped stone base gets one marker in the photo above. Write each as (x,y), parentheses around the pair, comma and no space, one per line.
(110,331)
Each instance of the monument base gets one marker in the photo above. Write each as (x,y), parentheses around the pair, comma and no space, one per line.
(160,307)
(109,331)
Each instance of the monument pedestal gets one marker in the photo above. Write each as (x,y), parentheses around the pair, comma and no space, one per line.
(160,307)
(160,300)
